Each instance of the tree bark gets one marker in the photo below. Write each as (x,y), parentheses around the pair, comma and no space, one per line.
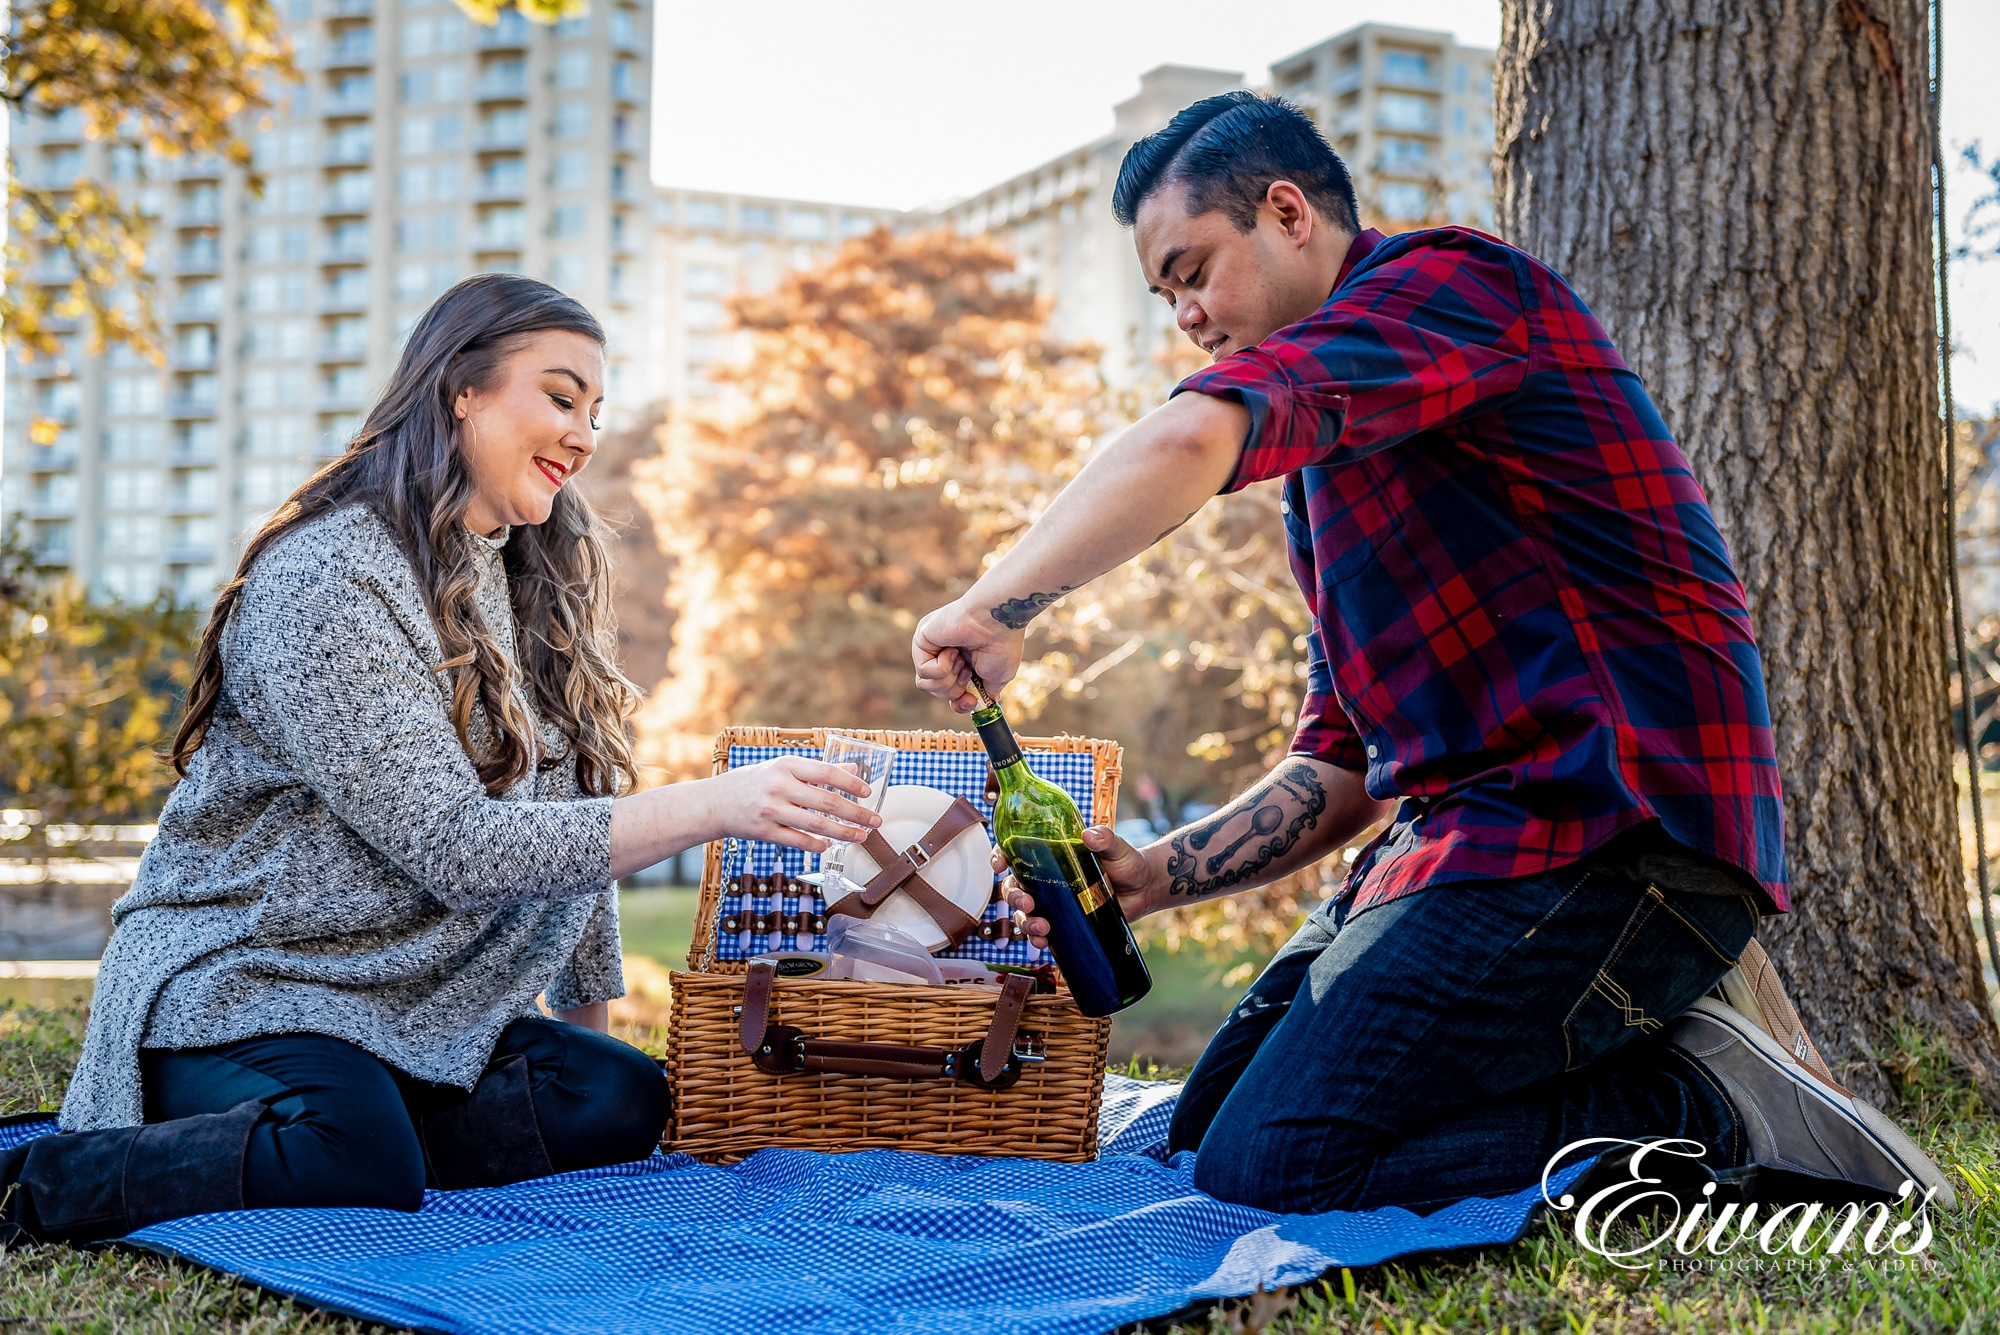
(1740,191)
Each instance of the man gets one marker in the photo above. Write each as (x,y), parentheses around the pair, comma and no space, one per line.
(1530,654)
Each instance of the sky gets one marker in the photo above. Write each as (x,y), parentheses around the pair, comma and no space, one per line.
(912,102)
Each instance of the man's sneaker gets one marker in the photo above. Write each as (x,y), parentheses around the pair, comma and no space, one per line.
(1753,989)
(1797,1123)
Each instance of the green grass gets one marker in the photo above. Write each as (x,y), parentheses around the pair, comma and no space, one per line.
(1547,1283)
(657,923)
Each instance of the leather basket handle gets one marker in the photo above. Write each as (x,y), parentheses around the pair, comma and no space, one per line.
(989,1063)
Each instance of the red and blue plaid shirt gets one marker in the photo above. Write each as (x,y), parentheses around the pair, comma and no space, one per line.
(1525,623)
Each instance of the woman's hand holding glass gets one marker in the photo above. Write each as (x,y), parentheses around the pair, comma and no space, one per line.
(793,801)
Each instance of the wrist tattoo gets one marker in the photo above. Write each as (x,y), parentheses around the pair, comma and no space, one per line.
(1016,613)
(1281,811)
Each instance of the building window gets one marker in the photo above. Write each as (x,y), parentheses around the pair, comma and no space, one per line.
(573,69)
(1404,202)
(418,134)
(572,171)
(702,313)
(419,37)
(707,213)
(806,224)
(1404,156)
(758,218)
(1407,67)
(567,271)
(572,120)
(567,222)
(1406,111)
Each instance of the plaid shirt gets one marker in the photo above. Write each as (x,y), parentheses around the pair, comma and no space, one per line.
(1525,623)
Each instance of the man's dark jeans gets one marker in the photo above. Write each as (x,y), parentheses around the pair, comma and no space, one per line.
(1448,1043)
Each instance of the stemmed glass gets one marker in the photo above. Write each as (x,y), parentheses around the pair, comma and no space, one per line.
(869,761)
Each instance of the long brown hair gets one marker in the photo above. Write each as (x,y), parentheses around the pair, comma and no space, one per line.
(406,466)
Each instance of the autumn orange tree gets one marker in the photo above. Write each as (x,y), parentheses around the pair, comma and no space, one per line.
(811,516)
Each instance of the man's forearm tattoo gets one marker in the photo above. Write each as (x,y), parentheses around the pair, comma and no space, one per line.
(1016,613)
(1290,803)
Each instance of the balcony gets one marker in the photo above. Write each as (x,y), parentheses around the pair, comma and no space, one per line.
(198,167)
(194,359)
(352,154)
(198,261)
(350,9)
(624,139)
(348,102)
(341,401)
(50,368)
(504,180)
(51,458)
(182,408)
(182,453)
(356,49)
(344,301)
(345,203)
(199,310)
(189,556)
(1346,79)
(509,34)
(502,84)
(201,211)
(501,138)
(54,507)
(341,352)
(1422,80)
(62,414)
(345,252)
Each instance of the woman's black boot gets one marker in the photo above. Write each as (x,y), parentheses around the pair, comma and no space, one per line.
(92,1186)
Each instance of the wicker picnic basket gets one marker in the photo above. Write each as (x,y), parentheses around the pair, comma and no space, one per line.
(865,1065)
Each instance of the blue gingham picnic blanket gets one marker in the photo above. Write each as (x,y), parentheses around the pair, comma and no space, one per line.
(874,1243)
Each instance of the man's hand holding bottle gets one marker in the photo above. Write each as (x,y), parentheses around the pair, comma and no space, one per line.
(1140,886)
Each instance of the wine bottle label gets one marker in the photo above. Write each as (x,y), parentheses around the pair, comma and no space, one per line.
(1093,897)
(998,738)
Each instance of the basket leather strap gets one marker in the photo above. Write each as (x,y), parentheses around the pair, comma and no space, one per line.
(899,872)
(990,1063)
(999,1044)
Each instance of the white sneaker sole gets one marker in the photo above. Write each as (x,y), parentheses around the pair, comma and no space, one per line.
(1887,1137)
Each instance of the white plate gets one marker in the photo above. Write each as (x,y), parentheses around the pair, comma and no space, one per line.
(962,871)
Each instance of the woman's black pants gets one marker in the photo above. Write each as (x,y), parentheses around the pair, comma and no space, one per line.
(307,1120)
(343,1127)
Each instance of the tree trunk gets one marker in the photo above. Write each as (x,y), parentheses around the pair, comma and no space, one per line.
(1740,191)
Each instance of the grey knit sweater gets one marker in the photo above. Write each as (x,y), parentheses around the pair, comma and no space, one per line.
(332,864)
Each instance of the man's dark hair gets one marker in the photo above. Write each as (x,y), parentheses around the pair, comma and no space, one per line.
(1227,150)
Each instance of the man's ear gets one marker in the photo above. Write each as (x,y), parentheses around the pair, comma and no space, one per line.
(1293,212)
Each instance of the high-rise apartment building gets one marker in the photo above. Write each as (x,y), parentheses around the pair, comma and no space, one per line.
(421,147)
(710,246)
(1410,111)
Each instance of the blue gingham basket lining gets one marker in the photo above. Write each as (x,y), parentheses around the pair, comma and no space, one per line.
(961,773)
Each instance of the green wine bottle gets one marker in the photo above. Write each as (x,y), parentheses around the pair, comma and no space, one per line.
(1041,836)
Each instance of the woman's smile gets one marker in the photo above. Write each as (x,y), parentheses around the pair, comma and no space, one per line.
(552,470)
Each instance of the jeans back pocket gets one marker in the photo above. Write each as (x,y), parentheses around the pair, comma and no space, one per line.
(1673,948)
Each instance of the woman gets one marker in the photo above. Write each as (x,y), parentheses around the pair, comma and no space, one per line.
(398,826)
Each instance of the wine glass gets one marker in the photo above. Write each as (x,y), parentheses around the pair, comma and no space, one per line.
(869,761)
